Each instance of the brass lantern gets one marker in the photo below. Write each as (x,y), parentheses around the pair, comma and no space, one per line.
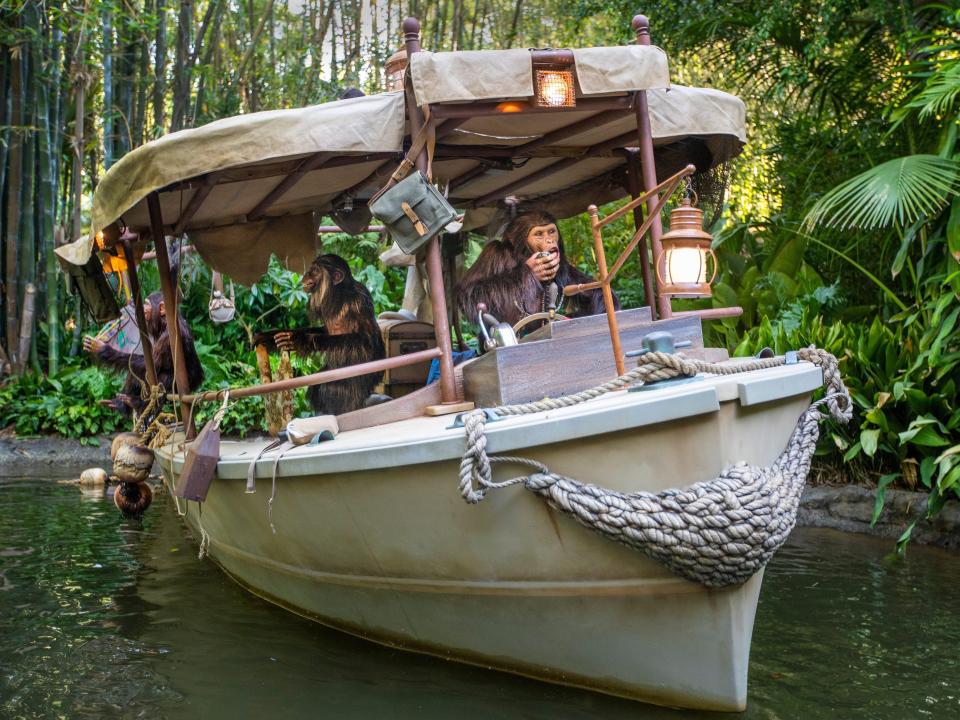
(683,263)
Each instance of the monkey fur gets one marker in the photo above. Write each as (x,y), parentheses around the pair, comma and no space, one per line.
(130,397)
(349,334)
(501,279)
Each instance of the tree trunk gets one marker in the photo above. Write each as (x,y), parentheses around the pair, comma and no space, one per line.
(514,25)
(80,90)
(160,69)
(181,69)
(46,200)
(14,191)
(108,105)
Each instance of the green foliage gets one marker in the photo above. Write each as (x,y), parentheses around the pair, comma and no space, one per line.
(65,404)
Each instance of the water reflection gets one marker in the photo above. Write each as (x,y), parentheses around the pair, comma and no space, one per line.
(103,618)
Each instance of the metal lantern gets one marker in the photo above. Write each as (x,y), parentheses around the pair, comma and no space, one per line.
(682,266)
(554,87)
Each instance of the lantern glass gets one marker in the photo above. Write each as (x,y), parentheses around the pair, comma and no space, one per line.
(555,88)
(686,265)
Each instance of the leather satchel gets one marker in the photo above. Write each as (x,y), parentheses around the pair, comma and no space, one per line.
(413,211)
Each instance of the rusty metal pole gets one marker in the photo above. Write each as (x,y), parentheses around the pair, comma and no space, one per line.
(633,185)
(169,288)
(441,326)
(608,305)
(642,27)
(145,343)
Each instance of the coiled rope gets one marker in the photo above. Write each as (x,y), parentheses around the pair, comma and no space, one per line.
(717,532)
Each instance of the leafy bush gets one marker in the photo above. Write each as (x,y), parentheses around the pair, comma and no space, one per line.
(67,404)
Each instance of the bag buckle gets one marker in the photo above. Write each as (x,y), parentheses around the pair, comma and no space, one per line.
(414,218)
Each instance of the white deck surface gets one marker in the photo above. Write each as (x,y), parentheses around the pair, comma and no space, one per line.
(429,439)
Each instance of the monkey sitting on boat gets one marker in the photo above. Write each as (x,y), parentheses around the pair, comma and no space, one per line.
(349,334)
(131,396)
(512,276)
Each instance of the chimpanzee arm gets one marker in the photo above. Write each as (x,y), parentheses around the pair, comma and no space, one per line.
(121,360)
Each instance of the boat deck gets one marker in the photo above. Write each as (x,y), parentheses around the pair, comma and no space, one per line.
(429,439)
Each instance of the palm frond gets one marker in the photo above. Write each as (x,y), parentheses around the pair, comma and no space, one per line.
(940,92)
(899,191)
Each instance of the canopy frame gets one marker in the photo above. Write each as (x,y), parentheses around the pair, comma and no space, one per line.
(443,119)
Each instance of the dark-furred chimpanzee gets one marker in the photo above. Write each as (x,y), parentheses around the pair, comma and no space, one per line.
(512,276)
(349,334)
(131,396)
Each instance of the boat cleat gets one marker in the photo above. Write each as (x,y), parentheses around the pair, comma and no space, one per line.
(661,341)
(490,414)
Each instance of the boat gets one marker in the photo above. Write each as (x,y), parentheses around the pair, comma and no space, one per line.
(369,532)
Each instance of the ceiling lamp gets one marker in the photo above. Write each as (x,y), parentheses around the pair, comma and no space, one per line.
(554,87)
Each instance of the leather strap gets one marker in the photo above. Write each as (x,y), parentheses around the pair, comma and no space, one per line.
(414,218)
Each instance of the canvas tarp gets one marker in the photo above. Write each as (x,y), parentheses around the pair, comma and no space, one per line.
(495,74)
(252,153)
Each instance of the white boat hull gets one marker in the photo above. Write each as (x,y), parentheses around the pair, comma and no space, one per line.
(371,536)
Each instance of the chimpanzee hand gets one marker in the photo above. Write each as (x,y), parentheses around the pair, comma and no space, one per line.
(544,265)
(92,345)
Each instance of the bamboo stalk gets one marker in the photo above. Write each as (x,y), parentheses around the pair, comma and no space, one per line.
(26,325)
(14,186)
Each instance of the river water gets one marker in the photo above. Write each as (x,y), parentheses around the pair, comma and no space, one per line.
(106,618)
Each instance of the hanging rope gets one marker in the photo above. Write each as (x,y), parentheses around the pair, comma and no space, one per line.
(718,532)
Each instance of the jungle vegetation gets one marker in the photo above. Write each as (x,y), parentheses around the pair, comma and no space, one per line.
(841,226)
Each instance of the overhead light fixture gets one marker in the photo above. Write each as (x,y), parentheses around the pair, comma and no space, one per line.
(554,87)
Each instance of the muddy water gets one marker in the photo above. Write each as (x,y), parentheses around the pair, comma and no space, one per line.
(104,618)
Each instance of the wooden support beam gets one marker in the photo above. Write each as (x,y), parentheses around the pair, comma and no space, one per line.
(314,162)
(552,169)
(145,343)
(209,181)
(438,298)
(633,186)
(559,135)
(169,288)
(318,378)
(648,167)
(472,110)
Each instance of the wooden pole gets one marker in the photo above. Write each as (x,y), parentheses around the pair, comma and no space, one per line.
(318,378)
(606,290)
(169,288)
(633,185)
(145,343)
(448,385)
(642,27)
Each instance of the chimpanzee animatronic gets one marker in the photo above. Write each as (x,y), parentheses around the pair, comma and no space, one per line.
(154,310)
(512,276)
(349,335)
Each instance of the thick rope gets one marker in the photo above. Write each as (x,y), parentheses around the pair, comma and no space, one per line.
(718,532)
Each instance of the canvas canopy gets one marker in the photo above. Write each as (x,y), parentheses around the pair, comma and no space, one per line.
(342,152)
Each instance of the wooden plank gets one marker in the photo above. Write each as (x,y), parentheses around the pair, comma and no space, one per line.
(590,324)
(560,366)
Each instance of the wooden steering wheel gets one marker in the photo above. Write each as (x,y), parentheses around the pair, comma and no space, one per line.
(535,317)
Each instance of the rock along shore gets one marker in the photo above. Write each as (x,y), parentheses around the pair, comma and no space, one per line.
(840,507)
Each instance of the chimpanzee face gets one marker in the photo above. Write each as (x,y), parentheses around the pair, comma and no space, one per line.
(325,272)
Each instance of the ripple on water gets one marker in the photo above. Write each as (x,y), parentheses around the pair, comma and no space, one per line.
(103,618)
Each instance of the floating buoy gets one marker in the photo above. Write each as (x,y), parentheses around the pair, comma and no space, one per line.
(94,477)
(132,498)
(132,463)
(125,438)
